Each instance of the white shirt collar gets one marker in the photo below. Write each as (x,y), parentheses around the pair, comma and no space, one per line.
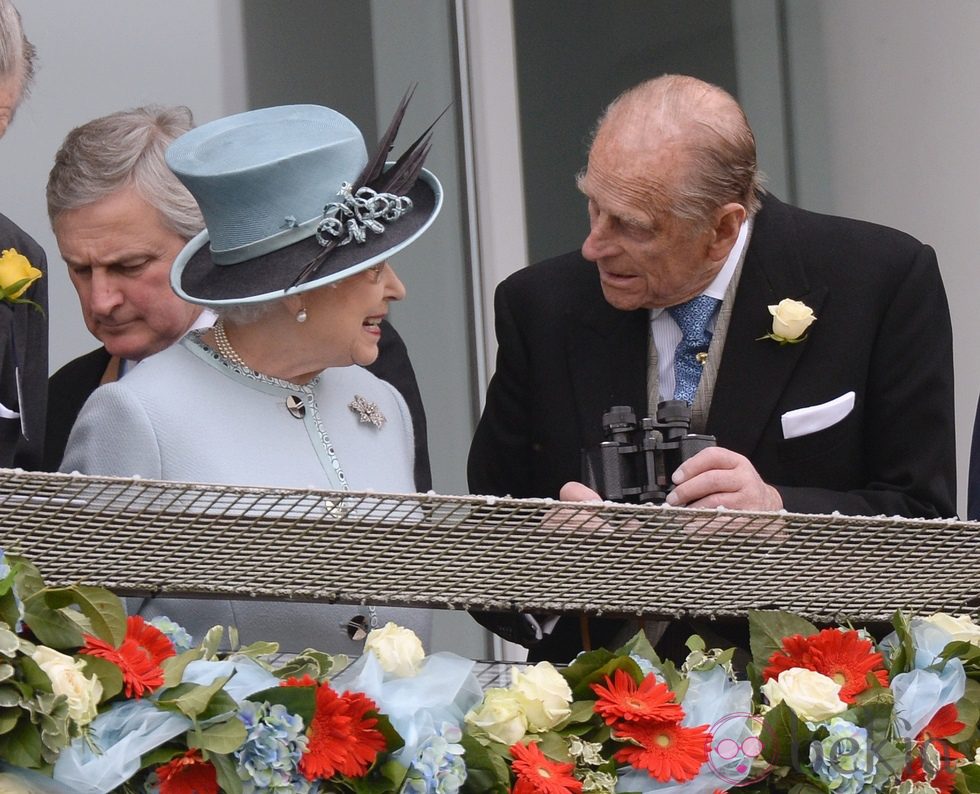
(204,320)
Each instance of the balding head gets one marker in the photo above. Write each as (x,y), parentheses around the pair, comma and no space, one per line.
(701,129)
(670,181)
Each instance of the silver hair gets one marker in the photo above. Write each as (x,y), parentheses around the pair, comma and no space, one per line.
(120,150)
(718,144)
(17,54)
(246,313)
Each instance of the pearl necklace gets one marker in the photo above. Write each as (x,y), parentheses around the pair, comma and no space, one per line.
(224,346)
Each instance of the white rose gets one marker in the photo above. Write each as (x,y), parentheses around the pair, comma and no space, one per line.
(68,678)
(398,649)
(812,695)
(501,715)
(961,628)
(790,319)
(544,693)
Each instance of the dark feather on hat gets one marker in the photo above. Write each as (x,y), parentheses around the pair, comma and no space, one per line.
(398,179)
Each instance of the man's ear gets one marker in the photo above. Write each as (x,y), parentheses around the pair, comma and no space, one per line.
(727,224)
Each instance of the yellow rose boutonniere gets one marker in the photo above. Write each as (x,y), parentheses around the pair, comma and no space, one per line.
(16,275)
(790,319)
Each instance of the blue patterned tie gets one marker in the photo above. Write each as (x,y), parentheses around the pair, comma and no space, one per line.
(692,318)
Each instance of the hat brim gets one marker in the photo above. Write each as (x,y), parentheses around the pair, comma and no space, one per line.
(196,278)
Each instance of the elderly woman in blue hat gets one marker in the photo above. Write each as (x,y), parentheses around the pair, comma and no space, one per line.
(294,259)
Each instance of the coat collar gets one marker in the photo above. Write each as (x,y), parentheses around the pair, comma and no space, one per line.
(773,270)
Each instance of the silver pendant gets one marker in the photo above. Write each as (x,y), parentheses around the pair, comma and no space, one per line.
(367,411)
(295,406)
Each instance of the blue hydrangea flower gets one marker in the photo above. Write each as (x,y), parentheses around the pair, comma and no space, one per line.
(182,641)
(268,761)
(439,767)
(843,759)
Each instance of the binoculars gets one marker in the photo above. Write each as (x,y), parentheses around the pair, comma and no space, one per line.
(636,461)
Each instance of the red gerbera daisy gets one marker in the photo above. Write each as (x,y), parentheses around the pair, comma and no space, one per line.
(538,774)
(188,774)
(945,779)
(139,657)
(622,699)
(844,656)
(342,735)
(667,751)
(944,722)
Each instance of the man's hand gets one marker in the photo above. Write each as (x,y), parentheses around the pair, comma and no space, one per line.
(576,492)
(719,477)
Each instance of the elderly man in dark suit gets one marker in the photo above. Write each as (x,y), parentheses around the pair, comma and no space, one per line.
(850,409)
(23,325)
(120,217)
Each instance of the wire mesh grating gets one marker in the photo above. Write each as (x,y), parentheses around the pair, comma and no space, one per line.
(142,537)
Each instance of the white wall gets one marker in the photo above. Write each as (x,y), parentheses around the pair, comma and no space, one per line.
(95,58)
(886,112)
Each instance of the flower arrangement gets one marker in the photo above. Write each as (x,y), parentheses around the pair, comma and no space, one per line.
(92,701)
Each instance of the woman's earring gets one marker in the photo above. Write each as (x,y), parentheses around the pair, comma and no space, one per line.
(301,315)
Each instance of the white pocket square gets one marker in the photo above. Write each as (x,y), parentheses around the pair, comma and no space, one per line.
(813,418)
(6,413)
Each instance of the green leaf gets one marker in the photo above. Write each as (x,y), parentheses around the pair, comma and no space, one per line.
(768,628)
(22,745)
(51,626)
(639,645)
(34,676)
(227,770)
(224,737)
(8,719)
(103,609)
(971,777)
(173,668)
(192,699)
(108,673)
(594,668)
(553,746)
(393,739)
(299,700)
(487,772)
(785,738)
(968,712)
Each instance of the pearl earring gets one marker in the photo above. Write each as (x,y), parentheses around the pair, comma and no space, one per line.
(301,315)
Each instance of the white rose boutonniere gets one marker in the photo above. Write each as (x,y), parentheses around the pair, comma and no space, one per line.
(790,320)
(398,649)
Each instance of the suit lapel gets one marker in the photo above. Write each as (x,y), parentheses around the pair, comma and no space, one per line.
(754,372)
(607,358)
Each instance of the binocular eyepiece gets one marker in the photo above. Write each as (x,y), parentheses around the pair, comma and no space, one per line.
(636,461)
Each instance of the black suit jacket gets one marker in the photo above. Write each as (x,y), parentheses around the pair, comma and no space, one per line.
(882,331)
(973,486)
(71,385)
(26,329)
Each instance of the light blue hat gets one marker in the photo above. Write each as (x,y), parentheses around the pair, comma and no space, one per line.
(287,206)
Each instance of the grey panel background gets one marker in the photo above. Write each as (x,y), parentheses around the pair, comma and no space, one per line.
(573,58)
